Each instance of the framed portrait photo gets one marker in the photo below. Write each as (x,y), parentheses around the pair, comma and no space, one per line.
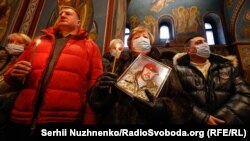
(143,74)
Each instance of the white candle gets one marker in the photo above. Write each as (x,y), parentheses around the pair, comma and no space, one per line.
(116,56)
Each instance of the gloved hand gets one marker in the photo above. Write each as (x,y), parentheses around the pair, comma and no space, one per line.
(100,97)
(154,108)
(150,96)
(106,80)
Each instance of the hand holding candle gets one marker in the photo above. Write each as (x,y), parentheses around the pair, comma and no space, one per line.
(116,47)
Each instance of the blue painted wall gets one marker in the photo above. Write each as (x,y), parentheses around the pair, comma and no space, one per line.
(240,27)
(100,14)
(43,22)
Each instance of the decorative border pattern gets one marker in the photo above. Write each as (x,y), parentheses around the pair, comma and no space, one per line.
(29,16)
(234,17)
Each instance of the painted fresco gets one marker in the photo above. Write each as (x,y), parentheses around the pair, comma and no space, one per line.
(134,21)
(242,26)
(7,10)
(158,5)
(244,51)
(187,19)
(229,3)
(149,21)
(237,16)
(187,15)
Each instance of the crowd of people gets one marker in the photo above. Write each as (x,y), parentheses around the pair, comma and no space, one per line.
(61,80)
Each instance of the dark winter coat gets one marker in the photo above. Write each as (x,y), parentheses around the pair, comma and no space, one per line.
(224,94)
(121,109)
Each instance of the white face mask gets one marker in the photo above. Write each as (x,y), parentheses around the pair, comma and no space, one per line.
(141,45)
(14,49)
(203,50)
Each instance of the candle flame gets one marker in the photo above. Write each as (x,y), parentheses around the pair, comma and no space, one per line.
(38,42)
(117,46)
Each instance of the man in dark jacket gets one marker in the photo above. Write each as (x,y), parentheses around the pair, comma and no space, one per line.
(220,93)
(171,107)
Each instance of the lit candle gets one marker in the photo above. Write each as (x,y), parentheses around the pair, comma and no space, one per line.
(116,56)
(38,41)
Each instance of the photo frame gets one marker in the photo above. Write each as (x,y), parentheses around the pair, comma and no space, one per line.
(143,74)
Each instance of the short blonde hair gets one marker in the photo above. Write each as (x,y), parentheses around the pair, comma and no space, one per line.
(26,39)
(139,29)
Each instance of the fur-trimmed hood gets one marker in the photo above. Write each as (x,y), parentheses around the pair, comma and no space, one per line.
(183,59)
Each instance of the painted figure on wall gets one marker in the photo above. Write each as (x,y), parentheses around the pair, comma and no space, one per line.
(186,19)
(246,32)
(180,17)
(229,2)
(150,23)
(158,5)
(194,19)
(134,21)
(247,15)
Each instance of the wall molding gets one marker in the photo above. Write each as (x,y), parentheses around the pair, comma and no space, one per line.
(29,16)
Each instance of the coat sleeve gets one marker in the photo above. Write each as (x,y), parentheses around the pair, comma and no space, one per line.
(199,116)
(26,55)
(237,109)
(95,63)
(176,102)
(95,71)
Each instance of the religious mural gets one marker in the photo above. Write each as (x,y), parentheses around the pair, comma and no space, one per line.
(150,22)
(247,16)
(246,32)
(229,2)
(134,21)
(5,13)
(158,5)
(187,19)
(244,51)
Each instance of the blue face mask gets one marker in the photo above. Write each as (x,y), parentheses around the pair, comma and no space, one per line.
(203,50)
(141,45)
